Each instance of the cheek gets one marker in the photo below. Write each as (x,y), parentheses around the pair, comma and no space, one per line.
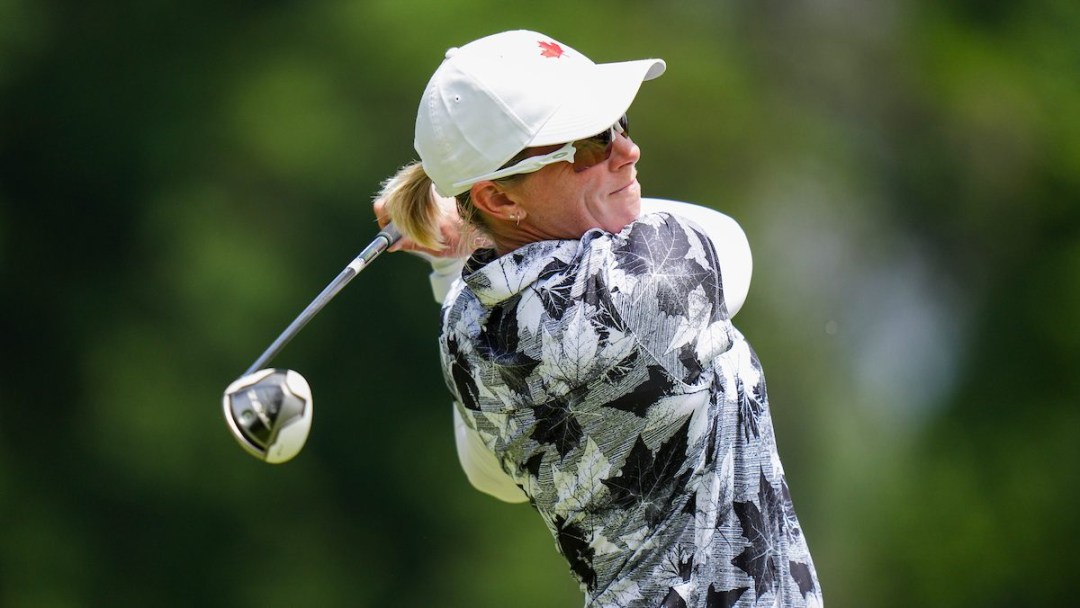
(550,192)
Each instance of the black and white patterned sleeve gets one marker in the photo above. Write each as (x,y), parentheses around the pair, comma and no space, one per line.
(728,239)
(665,281)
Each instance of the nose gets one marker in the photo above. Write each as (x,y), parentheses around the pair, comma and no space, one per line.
(624,151)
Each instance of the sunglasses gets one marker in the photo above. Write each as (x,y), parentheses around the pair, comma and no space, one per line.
(582,154)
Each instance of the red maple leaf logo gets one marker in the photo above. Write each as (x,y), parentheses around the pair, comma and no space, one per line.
(550,49)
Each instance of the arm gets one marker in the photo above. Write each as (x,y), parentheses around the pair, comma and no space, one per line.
(480,465)
(458,243)
(729,240)
(444,271)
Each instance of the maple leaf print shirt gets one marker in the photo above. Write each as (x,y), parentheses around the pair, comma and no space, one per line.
(607,379)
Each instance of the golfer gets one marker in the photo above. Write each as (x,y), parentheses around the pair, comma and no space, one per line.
(587,337)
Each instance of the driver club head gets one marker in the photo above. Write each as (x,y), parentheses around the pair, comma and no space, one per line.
(269,413)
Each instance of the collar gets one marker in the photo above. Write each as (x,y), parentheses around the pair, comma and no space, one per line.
(495,279)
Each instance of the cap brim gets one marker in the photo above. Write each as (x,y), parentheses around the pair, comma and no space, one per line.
(596,100)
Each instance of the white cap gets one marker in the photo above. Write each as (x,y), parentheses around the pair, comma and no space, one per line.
(498,95)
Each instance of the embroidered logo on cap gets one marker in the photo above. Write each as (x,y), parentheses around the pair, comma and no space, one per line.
(550,49)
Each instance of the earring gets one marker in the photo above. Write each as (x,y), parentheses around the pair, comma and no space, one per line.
(517,219)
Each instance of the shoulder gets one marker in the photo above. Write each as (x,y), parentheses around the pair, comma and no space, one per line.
(726,239)
(660,239)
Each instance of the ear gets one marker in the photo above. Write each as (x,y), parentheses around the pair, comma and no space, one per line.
(494,201)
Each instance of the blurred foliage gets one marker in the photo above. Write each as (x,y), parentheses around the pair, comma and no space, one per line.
(177,180)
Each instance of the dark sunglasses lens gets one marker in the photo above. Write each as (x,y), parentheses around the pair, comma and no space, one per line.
(594,150)
(591,152)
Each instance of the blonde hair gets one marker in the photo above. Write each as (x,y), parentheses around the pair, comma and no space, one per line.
(409,199)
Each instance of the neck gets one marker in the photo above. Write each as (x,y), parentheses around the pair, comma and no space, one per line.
(509,237)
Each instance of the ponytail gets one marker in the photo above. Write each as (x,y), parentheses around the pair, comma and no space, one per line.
(410,202)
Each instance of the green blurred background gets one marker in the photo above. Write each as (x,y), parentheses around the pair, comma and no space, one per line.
(178,179)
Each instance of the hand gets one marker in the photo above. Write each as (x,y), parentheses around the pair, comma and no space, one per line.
(459,240)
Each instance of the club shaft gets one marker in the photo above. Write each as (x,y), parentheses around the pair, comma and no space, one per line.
(386,237)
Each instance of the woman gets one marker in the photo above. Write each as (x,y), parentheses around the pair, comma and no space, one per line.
(588,342)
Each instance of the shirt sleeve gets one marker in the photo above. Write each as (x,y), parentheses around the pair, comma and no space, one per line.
(444,271)
(729,240)
(664,282)
(477,461)
(480,465)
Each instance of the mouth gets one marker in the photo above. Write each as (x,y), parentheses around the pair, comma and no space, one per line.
(633,182)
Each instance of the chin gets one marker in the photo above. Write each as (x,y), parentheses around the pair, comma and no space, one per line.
(616,224)
(623,207)
(633,211)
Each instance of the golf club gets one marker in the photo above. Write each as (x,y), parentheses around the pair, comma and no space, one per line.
(269,410)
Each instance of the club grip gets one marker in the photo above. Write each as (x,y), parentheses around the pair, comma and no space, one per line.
(390,233)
